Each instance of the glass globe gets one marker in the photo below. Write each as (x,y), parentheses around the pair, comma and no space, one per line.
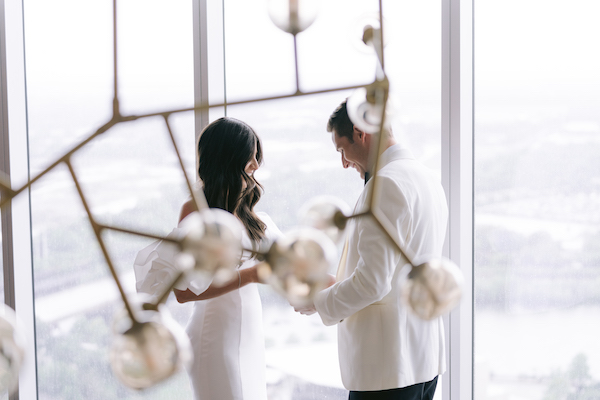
(299,262)
(364,31)
(433,288)
(12,349)
(365,107)
(212,244)
(293,16)
(327,214)
(148,351)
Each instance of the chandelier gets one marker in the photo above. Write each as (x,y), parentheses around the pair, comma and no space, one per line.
(148,345)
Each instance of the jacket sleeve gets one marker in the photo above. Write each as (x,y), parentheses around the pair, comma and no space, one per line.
(378,257)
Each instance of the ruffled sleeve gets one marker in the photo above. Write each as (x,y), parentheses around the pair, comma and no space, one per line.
(155,268)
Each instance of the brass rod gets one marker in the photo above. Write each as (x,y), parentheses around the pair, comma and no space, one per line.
(390,230)
(66,156)
(5,185)
(165,294)
(199,201)
(380,53)
(254,252)
(97,231)
(360,214)
(381,93)
(374,177)
(138,233)
(119,118)
(381,143)
(240,102)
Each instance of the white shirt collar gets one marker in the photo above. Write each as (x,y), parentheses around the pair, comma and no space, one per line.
(393,153)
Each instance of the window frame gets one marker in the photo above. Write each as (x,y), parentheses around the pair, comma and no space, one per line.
(457,179)
(14,161)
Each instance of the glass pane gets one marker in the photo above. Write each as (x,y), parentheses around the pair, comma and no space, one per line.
(537,202)
(129,175)
(300,159)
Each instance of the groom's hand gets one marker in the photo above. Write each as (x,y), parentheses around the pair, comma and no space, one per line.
(310,309)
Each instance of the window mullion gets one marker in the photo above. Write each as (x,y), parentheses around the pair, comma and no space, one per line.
(457,177)
(200,63)
(209,60)
(17,218)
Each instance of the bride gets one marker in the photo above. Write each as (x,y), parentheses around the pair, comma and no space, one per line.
(225,328)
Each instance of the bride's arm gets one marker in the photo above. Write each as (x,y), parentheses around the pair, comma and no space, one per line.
(246,276)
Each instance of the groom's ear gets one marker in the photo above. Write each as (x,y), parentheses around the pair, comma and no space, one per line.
(358,134)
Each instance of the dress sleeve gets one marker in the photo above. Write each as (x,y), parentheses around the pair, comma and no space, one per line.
(155,268)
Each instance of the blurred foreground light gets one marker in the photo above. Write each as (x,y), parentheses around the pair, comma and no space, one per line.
(212,244)
(327,214)
(299,261)
(433,288)
(365,106)
(149,351)
(293,16)
(12,349)
(364,34)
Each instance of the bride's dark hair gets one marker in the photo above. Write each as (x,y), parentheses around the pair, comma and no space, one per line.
(224,149)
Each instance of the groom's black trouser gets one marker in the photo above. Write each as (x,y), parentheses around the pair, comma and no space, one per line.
(420,391)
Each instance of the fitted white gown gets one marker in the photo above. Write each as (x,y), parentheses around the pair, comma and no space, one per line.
(226,332)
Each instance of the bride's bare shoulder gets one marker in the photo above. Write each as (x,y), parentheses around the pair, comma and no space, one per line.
(186,209)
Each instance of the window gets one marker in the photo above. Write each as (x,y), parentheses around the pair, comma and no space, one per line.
(537,207)
(129,174)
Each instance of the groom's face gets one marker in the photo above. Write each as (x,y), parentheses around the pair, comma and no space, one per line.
(354,154)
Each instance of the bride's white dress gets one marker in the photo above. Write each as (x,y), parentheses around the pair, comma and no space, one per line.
(226,332)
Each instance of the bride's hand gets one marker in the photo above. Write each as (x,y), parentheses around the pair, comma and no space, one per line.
(306,310)
(331,281)
(261,272)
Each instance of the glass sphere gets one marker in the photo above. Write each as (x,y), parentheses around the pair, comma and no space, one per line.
(12,349)
(364,33)
(212,244)
(433,288)
(327,214)
(299,262)
(149,351)
(293,16)
(365,107)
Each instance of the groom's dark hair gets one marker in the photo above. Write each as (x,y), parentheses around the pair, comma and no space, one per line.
(340,123)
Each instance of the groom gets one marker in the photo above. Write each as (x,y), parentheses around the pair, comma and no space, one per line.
(385,352)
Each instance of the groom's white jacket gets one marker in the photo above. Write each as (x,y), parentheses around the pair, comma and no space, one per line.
(381,345)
